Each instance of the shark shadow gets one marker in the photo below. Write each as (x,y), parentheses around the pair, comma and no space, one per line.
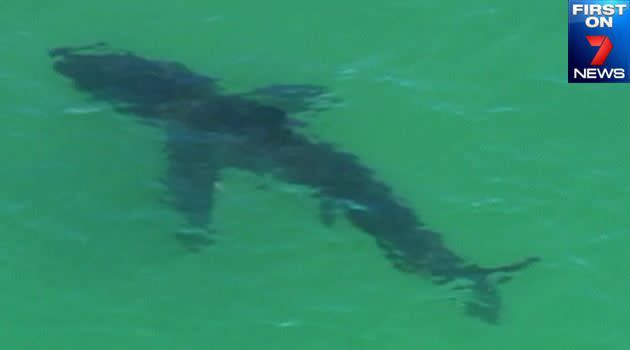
(208,130)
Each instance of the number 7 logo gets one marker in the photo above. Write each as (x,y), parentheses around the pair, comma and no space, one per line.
(604,45)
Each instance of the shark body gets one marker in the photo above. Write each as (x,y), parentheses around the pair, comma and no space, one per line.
(208,131)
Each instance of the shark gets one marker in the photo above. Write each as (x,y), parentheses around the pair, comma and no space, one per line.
(208,130)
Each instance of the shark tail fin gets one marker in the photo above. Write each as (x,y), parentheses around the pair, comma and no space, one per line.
(484,300)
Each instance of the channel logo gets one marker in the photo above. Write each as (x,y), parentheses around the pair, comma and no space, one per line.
(604,44)
(598,41)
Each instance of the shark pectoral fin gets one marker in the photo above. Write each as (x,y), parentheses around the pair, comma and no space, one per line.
(327,211)
(194,240)
(191,179)
(295,98)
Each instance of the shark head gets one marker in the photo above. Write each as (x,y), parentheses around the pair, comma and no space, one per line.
(122,77)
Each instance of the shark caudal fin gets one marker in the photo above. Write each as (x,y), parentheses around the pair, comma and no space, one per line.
(484,301)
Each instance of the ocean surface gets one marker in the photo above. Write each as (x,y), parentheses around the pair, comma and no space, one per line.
(461,106)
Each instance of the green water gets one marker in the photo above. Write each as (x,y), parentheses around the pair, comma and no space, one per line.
(462,107)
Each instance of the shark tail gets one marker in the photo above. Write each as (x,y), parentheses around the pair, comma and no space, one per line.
(483,300)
